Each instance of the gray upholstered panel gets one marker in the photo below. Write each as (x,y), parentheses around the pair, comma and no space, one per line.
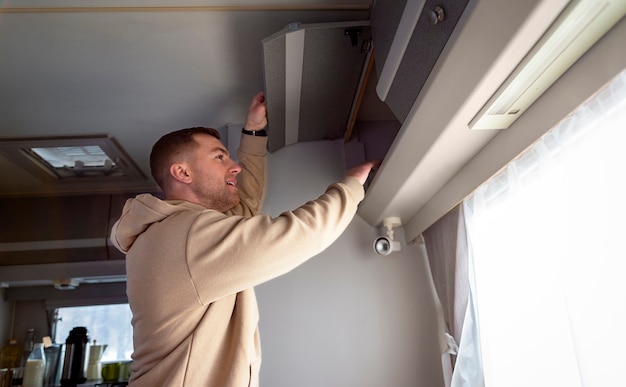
(332,69)
(274,65)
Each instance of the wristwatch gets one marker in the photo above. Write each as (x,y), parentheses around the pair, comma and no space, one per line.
(259,133)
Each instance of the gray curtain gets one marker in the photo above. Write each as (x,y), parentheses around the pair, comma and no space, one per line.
(446,245)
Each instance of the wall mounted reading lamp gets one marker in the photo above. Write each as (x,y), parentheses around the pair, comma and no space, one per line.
(579,26)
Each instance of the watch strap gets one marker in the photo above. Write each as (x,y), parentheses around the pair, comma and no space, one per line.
(259,133)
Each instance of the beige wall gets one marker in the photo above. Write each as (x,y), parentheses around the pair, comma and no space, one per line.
(346,317)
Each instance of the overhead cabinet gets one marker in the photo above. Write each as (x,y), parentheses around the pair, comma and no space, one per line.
(312,74)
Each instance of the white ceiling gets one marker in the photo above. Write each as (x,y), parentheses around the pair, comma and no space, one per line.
(135,73)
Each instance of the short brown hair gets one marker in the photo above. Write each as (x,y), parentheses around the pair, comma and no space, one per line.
(171,146)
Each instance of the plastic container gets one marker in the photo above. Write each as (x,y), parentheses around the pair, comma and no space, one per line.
(54,365)
(35,367)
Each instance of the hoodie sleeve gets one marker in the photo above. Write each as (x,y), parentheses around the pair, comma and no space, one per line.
(253,177)
(233,253)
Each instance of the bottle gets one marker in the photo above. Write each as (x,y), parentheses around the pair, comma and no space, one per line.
(29,344)
(11,355)
(29,341)
(35,367)
(75,356)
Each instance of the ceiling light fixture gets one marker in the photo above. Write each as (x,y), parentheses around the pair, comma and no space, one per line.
(578,28)
(65,284)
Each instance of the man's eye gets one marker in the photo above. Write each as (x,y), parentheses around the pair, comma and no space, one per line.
(220,157)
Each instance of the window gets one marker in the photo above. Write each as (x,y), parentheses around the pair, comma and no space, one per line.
(106,324)
(72,159)
(547,261)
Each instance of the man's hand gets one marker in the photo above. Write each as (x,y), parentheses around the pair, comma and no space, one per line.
(362,171)
(257,113)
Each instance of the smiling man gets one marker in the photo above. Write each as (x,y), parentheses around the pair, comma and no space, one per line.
(209,167)
(193,259)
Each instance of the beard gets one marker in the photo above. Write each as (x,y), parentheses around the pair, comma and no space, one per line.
(220,200)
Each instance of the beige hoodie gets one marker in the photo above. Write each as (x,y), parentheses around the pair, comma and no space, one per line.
(191,273)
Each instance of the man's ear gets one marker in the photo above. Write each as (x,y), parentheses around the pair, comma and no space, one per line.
(180,172)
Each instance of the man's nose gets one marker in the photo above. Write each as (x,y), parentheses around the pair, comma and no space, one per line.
(235,168)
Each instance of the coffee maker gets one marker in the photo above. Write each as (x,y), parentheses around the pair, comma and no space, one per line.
(94,368)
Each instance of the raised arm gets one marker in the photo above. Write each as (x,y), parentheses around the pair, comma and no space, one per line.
(252,156)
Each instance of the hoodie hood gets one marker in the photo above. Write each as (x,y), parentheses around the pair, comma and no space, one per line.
(141,212)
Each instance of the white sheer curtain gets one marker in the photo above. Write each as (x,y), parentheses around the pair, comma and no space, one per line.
(547,303)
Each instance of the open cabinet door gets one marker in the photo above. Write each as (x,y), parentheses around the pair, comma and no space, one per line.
(312,74)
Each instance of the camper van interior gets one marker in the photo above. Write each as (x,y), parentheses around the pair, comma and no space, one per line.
(486,251)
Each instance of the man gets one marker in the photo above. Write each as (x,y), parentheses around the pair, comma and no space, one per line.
(193,259)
